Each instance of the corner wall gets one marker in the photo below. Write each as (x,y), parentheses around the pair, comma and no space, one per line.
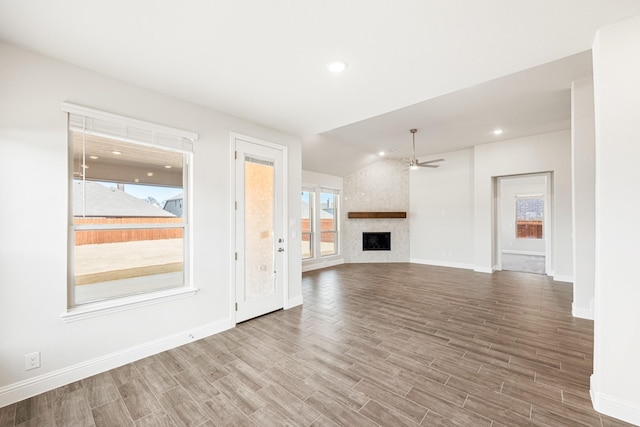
(33,230)
(583,171)
(616,374)
(441,216)
(382,186)
(550,152)
(451,218)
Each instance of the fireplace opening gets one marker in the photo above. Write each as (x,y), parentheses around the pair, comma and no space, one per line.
(376,241)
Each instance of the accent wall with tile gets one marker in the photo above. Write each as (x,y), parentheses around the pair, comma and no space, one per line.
(380,187)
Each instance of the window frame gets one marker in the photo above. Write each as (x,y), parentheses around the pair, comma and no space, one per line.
(317,228)
(161,137)
(336,216)
(312,226)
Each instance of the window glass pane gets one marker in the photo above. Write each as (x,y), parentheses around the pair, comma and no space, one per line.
(128,216)
(259,228)
(328,223)
(306,224)
(328,243)
(305,221)
(104,159)
(306,246)
(529,217)
(328,211)
(115,263)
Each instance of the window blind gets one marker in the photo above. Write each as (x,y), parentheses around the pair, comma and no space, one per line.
(100,123)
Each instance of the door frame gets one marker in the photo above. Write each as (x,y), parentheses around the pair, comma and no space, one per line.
(233,136)
(548,220)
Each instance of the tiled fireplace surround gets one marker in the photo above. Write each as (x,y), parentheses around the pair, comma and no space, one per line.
(380,187)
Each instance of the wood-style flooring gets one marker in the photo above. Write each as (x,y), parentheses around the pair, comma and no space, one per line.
(374,344)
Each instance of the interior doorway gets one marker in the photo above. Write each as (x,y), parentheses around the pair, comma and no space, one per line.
(523,223)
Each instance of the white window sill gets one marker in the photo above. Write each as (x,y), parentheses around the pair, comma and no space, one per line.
(322,258)
(87,311)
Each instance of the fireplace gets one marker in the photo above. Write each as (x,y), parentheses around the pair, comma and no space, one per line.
(380,241)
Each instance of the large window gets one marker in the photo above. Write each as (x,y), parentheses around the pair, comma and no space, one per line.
(129,190)
(328,223)
(529,217)
(319,223)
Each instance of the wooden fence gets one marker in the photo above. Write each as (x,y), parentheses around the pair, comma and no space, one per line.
(326,224)
(529,229)
(91,237)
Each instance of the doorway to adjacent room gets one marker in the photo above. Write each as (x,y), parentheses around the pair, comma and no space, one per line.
(523,223)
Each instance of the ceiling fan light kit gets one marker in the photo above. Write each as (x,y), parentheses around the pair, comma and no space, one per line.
(414,163)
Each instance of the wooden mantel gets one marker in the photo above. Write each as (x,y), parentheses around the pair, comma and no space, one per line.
(368,215)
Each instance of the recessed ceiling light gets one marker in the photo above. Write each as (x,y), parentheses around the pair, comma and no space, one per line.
(149,173)
(94,157)
(117,153)
(381,153)
(136,180)
(168,166)
(337,66)
(498,132)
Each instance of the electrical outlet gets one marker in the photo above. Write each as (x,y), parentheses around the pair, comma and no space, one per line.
(31,361)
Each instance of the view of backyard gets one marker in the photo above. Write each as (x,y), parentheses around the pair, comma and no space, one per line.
(109,270)
(124,244)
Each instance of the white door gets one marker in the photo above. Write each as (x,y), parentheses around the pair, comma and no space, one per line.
(260,235)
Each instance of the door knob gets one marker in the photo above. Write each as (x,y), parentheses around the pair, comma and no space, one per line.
(280,249)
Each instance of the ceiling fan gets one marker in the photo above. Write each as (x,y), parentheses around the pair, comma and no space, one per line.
(414,163)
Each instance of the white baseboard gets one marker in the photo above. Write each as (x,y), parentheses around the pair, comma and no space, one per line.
(439,263)
(561,278)
(317,265)
(16,392)
(293,302)
(613,407)
(582,312)
(478,269)
(514,252)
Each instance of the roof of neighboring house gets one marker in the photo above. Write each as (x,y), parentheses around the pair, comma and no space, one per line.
(111,202)
(176,197)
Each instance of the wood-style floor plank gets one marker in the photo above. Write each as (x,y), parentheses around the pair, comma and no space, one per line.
(111,414)
(374,344)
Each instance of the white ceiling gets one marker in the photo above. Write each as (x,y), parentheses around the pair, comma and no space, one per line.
(265,61)
(529,102)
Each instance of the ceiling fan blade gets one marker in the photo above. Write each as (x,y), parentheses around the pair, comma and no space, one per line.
(413,162)
(430,161)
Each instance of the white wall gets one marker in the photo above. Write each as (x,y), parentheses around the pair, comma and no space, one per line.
(382,186)
(614,384)
(441,215)
(583,170)
(509,188)
(33,237)
(317,181)
(550,152)
(451,217)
